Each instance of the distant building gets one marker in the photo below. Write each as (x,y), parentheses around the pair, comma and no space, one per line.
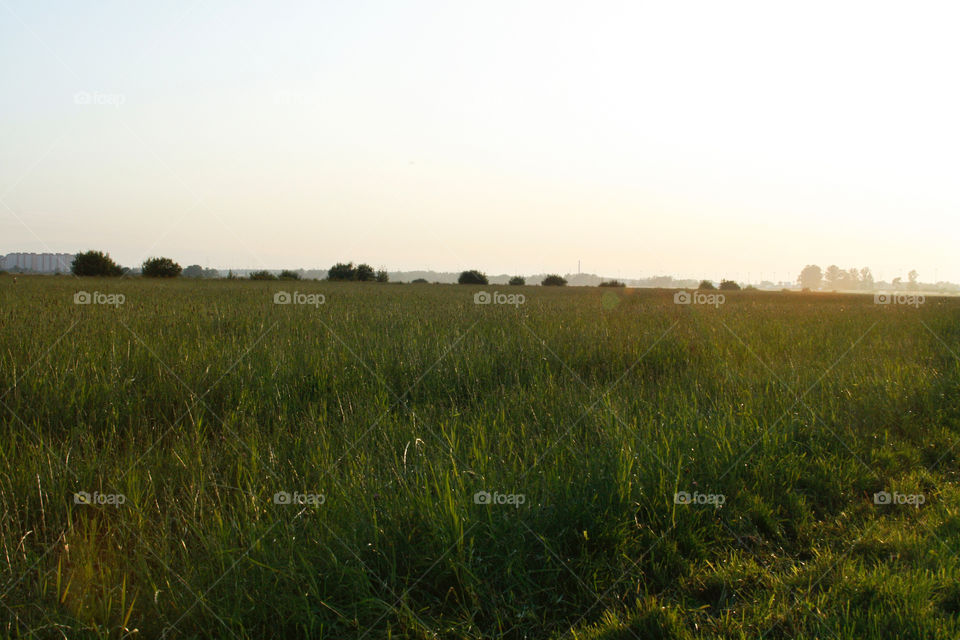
(37,262)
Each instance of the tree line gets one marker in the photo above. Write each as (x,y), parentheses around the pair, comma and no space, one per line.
(812,277)
(98,263)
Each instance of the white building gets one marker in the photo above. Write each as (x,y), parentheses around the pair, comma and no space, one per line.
(37,262)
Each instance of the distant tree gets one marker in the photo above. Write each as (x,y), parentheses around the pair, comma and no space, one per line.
(912,277)
(262,275)
(866,279)
(750,287)
(729,285)
(160,268)
(852,279)
(518,280)
(706,285)
(287,274)
(833,276)
(341,271)
(193,271)
(383,276)
(365,273)
(897,282)
(94,263)
(420,281)
(811,277)
(612,283)
(231,275)
(473,277)
(553,280)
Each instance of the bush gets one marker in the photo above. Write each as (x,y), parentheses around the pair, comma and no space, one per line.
(94,263)
(420,281)
(383,276)
(193,271)
(361,272)
(287,274)
(262,275)
(160,268)
(341,271)
(706,285)
(553,280)
(612,283)
(473,277)
(729,285)
(517,280)
(365,273)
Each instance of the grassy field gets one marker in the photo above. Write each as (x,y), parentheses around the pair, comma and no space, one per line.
(323,470)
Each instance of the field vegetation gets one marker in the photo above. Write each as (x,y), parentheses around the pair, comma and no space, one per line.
(251,459)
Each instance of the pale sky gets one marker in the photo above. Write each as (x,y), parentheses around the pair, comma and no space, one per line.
(699,139)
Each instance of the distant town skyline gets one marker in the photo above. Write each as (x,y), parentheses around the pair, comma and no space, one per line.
(49,263)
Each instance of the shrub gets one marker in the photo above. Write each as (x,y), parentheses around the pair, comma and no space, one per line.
(517,280)
(160,268)
(94,263)
(383,276)
(420,281)
(473,277)
(341,271)
(287,274)
(262,275)
(706,285)
(193,271)
(365,273)
(553,280)
(612,283)
(729,285)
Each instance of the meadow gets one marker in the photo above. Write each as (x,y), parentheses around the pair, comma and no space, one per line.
(195,460)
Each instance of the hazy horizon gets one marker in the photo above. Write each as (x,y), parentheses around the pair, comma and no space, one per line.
(687,140)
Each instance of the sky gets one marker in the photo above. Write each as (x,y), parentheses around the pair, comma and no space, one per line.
(699,139)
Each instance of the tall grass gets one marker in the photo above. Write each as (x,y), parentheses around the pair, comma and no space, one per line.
(199,401)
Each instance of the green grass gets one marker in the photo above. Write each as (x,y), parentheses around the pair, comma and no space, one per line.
(198,401)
